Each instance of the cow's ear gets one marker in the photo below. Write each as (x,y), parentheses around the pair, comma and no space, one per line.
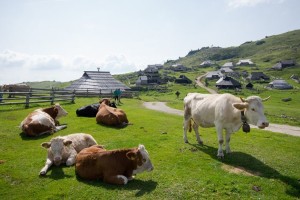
(131,155)
(46,145)
(67,142)
(240,106)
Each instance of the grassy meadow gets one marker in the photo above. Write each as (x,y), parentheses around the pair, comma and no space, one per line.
(263,165)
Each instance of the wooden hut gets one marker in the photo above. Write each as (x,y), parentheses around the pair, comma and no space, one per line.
(97,80)
(258,76)
(227,83)
(280,84)
(249,86)
(183,79)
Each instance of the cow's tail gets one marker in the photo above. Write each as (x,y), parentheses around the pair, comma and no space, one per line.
(190,125)
(124,124)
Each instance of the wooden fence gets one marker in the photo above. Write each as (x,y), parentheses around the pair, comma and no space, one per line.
(37,95)
(102,93)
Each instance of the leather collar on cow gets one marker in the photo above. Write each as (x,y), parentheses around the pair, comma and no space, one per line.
(246,127)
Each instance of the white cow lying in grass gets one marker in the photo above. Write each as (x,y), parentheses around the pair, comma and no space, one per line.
(224,111)
(64,149)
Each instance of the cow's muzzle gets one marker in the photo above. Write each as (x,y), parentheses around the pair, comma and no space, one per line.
(263,125)
(57,161)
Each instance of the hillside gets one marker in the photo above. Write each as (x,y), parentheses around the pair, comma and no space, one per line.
(48,84)
(265,52)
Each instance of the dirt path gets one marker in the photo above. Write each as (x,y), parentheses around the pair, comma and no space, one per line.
(198,81)
(278,128)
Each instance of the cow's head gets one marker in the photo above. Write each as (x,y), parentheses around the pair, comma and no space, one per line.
(105,101)
(56,147)
(254,110)
(141,157)
(60,111)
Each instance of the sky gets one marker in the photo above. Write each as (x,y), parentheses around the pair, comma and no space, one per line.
(57,40)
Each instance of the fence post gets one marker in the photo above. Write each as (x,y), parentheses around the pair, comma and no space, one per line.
(73,97)
(52,96)
(1,95)
(27,101)
(87,92)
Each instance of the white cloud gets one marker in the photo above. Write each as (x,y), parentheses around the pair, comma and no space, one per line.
(249,3)
(118,65)
(18,67)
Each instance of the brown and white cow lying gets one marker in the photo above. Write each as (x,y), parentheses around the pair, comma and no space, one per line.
(110,116)
(114,166)
(224,111)
(43,120)
(64,149)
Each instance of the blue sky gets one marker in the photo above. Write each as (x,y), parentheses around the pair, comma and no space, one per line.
(59,39)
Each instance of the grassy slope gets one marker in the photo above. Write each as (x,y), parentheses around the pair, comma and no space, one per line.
(182,171)
(275,48)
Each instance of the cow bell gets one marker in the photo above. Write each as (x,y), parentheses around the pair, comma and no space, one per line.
(246,127)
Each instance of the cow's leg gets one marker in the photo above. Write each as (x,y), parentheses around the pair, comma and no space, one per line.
(71,160)
(118,179)
(228,134)
(196,129)
(186,124)
(220,140)
(46,167)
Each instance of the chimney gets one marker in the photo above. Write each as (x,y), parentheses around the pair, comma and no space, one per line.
(98,69)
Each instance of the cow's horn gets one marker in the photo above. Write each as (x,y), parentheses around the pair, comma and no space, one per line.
(265,99)
(243,100)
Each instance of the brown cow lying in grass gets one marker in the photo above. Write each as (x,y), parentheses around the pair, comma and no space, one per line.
(43,120)
(110,116)
(112,166)
(64,149)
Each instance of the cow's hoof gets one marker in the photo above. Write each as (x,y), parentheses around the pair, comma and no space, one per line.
(42,173)
(228,152)
(220,155)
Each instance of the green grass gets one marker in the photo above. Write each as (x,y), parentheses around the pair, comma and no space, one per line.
(181,171)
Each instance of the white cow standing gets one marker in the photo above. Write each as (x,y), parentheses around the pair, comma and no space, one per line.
(64,149)
(222,111)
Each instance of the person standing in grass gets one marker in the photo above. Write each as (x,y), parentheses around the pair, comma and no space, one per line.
(117,95)
(177,94)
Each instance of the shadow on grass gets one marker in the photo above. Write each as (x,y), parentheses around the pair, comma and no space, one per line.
(143,187)
(114,127)
(250,163)
(56,173)
(25,137)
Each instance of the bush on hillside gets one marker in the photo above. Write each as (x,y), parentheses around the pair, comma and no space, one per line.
(260,42)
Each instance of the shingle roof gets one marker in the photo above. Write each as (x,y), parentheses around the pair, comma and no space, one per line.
(280,84)
(97,80)
(258,76)
(227,81)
